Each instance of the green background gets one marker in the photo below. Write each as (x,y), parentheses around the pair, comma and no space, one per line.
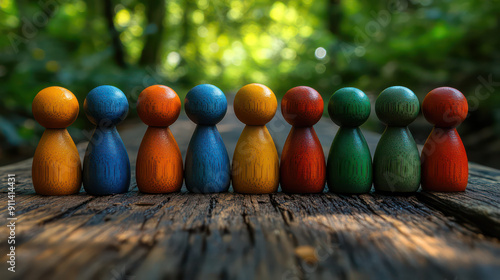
(371,45)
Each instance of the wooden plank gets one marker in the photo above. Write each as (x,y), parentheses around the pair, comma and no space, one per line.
(229,235)
(479,204)
(88,234)
(416,241)
(226,238)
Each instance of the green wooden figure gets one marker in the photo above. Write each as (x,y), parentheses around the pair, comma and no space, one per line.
(349,166)
(396,162)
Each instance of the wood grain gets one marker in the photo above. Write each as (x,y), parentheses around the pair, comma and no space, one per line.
(255,165)
(57,169)
(302,166)
(159,166)
(229,236)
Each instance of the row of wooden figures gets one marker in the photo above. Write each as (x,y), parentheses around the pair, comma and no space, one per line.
(256,168)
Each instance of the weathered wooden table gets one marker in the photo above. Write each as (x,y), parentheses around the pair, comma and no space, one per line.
(277,236)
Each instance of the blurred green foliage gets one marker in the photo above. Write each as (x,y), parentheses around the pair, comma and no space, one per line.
(326,44)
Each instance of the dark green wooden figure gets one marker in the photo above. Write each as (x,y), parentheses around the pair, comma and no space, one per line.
(349,165)
(396,162)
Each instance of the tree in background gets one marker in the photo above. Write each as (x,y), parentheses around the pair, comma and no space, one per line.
(325,44)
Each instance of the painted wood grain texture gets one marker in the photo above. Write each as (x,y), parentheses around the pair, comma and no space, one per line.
(159,167)
(159,162)
(349,166)
(396,163)
(302,166)
(208,169)
(134,235)
(255,165)
(56,168)
(444,159)
(349,162)
(106,165)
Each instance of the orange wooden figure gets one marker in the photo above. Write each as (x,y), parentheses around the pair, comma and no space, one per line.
(159,161)
(444,160)
(255,167)
(302,167)
(56,168)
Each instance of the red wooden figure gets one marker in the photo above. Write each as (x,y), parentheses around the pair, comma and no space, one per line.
(444,160)
(303,168)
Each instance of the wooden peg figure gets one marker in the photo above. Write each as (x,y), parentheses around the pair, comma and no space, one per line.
(302,168)
(56,168)
(396,163)
(159,160)
(106,166)
(444,160)
(255,166)
(349,165)
(207,163)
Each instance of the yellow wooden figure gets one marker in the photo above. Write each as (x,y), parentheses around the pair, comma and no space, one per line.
(255,166)
(56,166)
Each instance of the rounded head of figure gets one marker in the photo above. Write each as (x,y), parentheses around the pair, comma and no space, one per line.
(397,106)
(255,104)
(158,106)
(106,106)
(302,106)
(205,104)
(55,107)
(445,107)
(349,107)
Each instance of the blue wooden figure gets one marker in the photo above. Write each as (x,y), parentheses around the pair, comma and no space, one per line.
(106,166)
(207,168)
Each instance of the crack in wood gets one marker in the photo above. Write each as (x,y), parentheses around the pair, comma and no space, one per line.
(230,235)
